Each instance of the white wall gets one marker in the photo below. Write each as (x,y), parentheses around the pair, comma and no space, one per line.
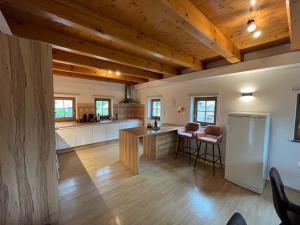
(273,93)
(86,90)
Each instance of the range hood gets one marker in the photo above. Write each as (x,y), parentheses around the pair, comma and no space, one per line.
(127,99)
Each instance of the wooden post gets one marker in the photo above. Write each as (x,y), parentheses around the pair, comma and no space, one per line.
(28,176)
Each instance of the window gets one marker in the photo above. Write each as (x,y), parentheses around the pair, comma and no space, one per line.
(64,108)
(155,108)
(297,122)
(205,110)
(103,107)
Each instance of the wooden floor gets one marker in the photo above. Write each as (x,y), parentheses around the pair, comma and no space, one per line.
(96,189)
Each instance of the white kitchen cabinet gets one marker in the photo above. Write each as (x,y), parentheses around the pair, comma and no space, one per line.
(66,138)
(84,135)
(99,133)
(69,137)
(112,131)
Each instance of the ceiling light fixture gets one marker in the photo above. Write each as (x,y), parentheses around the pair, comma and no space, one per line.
(109,71)
(253,2)
(251,25)
(257,34)
(118,73)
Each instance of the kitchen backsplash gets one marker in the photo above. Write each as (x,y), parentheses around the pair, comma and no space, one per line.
(125,111)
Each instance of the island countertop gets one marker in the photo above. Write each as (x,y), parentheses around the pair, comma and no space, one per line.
(143,131)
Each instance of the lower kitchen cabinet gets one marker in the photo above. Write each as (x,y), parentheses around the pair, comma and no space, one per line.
(69,137)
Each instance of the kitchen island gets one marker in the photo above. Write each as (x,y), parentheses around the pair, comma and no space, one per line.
(156,144)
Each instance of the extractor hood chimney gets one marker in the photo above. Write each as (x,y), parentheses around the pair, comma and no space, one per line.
(127,99)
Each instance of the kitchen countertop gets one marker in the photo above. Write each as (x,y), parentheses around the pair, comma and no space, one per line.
(143,131)
(59,125)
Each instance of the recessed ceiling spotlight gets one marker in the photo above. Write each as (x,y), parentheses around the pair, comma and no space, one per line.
(118,73)
(257,34)
(109,71)
(251,25)
(253,2)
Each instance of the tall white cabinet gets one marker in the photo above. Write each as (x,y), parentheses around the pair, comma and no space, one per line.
(247,148)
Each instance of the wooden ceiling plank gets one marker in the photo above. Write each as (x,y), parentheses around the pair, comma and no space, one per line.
(75,59)
(293,12)
(72,14)
(95,72)
(28,30)
(4,28)
(88,77)
(186,15)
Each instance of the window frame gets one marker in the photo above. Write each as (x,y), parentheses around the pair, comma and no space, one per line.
(152,100)
(66,119)
(109,107)
(297,119)
(208,98)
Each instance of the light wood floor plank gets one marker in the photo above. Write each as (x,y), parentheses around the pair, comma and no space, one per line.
(95,189)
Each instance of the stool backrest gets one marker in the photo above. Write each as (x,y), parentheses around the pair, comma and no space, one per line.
(214,130)
(192,127)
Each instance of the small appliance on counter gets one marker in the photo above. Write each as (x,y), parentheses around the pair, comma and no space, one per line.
(91,117)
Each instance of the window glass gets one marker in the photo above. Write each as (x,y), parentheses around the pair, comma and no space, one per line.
(103,107)
(155,108)
(64,108)
(205,110)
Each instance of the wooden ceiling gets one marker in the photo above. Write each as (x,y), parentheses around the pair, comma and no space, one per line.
(149,39)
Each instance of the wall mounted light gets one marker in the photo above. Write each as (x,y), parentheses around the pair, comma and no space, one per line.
(247,94)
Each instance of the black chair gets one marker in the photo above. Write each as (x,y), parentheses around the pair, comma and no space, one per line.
(288,212)
(237,219)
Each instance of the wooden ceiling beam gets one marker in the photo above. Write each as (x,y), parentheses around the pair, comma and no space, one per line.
(293,12)
(88,77)
(95,72)
(4,28)
(186,15)
(77,16)
(75,59)
(26,29)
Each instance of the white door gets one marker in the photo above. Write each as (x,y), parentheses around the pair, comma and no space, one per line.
(244,150)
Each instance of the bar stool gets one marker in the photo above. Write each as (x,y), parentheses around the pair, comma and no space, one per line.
(211,135)
(187,133)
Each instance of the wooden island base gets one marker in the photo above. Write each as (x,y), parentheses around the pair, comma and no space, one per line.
(155,143)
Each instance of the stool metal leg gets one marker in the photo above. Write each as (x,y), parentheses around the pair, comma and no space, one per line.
(220,155)
(205,152)
(189,149)
(198,151)
(213,146)
(178,147)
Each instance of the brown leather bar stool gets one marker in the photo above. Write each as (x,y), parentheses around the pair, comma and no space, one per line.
(187,133)
(211,135)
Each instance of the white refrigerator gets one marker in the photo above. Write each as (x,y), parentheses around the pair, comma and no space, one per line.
(247,148)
